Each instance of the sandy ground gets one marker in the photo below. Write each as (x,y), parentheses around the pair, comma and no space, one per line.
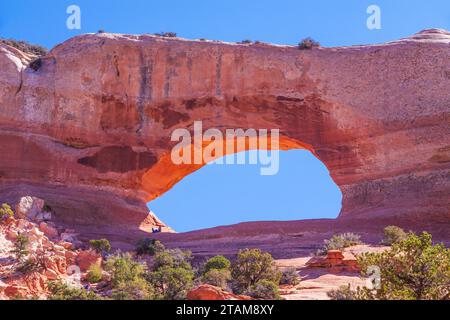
(316,282)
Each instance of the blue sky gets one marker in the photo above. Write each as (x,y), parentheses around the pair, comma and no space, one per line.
(217,195)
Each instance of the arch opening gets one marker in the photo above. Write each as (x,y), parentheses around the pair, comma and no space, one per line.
(220,194)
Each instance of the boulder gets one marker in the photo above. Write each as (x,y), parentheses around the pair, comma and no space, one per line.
(209,292)
(14,291)
(48,230)
(32,208)
(87,258)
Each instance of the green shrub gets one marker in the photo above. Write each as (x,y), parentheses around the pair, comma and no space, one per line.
(342,293)
(217,277)
(246,42)
(393,234)
(124,268)
(101,31)
(128,278)
(136,289)
(413,269)
(61,291)
(25,47)
(94,274)
(174,258)
(308,43)
(290,277)
(252,266)
(47,208)
(172,283)
(264,289)
(340,242)
(100,246)
(6,211)
(20,247)
(217,262)
(149,246)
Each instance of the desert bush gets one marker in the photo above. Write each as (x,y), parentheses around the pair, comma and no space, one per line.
(340,241)
(174,258)
(25,47)
(252,266)
(128,278)
(61,291)
(342,293)
(413,269)
(166,34)
(100,246)
(246,42)
(393,234)
(20,247)
(94,274)
(101,31)
(290,277)
(264,289)
(171,283)
(136,289)
(308,43)
(217,262)
(124,268)
(217,277)
(149,246)
(6,211)
(172,276)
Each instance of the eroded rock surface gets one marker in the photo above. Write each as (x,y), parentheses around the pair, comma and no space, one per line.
(89,131)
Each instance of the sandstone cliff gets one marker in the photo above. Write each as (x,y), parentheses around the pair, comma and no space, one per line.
(89,130)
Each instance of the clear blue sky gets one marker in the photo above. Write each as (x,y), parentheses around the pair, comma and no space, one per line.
(217,195)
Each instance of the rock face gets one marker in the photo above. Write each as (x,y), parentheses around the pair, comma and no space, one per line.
(89,131)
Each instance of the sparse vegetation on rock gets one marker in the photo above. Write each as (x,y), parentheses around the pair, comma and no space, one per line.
(166,34)
(340,242)
(308,43)
(25,47)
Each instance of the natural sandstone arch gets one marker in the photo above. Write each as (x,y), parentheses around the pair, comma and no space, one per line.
(90,130)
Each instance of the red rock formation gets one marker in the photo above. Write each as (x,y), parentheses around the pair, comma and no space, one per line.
(336,261)
(89,131)
(208,292)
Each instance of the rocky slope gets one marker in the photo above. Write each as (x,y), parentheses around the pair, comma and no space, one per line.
(88,127)
(52,253)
